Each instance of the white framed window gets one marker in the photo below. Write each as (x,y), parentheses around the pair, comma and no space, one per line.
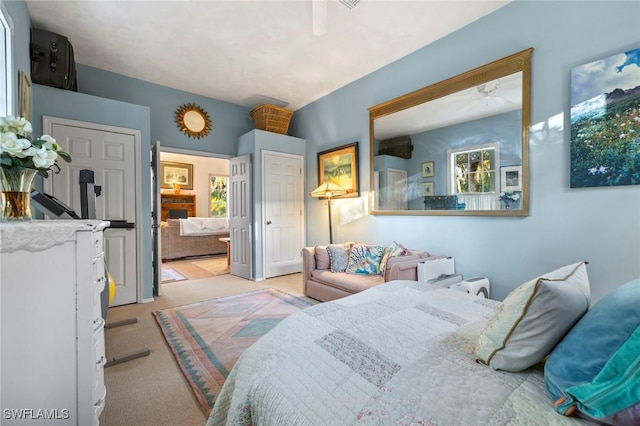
(6,63)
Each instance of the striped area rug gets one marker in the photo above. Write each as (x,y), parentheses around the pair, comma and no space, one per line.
(208,337)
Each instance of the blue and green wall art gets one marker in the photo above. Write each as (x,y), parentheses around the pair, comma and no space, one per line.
(605,122)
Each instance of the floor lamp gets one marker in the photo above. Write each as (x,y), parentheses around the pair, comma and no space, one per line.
(328,190)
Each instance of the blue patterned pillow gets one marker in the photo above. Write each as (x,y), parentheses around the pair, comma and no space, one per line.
(592,368)
(364,259)
(338,256)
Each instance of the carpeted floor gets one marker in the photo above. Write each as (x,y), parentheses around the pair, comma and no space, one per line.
(208,337)
(198,268)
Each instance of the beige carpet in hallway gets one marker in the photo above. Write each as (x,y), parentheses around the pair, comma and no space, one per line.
(152,390)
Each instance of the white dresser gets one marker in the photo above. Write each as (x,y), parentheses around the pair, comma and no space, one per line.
(52,351)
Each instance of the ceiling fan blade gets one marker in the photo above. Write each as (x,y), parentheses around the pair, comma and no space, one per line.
(319,13)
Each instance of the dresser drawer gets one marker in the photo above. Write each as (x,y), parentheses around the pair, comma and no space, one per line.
(99,390)
(98,287)
(98,406)
(99,269)
(98,242)
(100,359)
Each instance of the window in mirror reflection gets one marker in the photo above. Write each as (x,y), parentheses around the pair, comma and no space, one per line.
(473,176)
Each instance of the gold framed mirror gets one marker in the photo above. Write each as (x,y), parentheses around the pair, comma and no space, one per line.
(457,147)
(193,121)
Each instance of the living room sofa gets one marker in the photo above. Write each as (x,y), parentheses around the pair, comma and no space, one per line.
(321,284)
(176,246)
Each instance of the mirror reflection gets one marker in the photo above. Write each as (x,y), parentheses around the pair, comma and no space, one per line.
(457,147)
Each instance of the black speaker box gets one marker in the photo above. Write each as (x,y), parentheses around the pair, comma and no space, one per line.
(397,147)
(52,61)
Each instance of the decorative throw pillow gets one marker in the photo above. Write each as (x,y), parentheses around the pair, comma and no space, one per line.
(364,259)
(534,318)
(394,249)
(338,256)
(596,365)
(322,258)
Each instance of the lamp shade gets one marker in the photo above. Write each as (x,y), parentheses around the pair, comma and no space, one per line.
(328,190)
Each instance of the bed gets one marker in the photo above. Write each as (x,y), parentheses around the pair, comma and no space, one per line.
(399,353)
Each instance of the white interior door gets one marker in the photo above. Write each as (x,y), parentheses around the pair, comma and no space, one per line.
(282,202)
(397,189)
(112,157)
(241,216)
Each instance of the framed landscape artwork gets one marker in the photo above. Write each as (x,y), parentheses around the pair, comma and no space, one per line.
(340,166)
(605,122)
(180,173)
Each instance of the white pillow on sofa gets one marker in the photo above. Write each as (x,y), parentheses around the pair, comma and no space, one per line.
(533,318)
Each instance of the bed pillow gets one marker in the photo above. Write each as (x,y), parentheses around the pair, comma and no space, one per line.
(533,318)
(394,249)
(598,357)
(364,259)
(338,256)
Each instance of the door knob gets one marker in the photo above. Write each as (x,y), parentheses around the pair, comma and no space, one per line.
(268,222)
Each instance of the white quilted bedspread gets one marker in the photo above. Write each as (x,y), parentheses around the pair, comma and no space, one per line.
(398,354)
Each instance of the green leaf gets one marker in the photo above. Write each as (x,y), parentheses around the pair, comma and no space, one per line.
(66,157)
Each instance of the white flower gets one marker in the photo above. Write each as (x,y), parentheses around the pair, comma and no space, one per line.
(19,126)
(12,145)
(510,196)
(598,169)
(49,142)
(43,158)
(19,152)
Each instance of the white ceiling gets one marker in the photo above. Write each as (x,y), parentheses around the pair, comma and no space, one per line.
(250,52)
(485,100)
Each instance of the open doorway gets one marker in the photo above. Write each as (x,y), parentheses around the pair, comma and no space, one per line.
(193,215)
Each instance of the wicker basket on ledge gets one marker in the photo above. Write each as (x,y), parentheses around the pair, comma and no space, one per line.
(271,118)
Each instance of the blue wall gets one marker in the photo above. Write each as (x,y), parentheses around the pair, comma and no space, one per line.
(228,121)
(78,106)
(254,143)
(600,225)
(503,129)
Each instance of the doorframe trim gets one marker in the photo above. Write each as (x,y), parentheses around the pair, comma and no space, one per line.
(47,127)
(263,208)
